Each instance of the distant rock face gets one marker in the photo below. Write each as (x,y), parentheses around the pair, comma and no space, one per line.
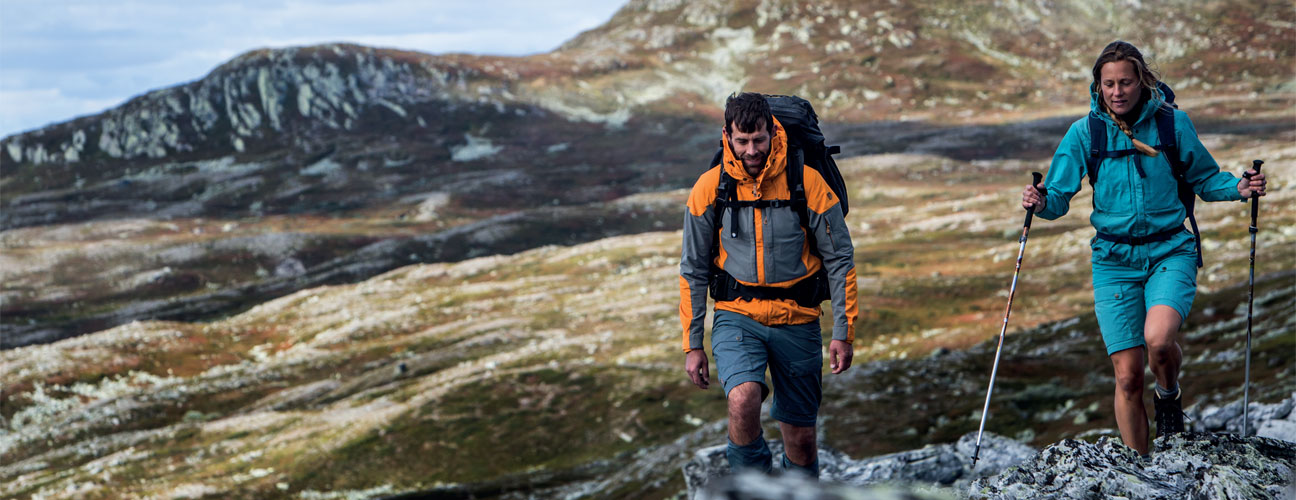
(1186,465)
(263,91)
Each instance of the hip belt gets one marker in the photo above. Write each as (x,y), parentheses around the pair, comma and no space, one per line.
(809,292)
(1142,240)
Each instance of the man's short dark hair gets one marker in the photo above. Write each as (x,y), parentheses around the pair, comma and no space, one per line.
(748,111)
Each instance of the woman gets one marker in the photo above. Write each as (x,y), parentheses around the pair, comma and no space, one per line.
(1144,260)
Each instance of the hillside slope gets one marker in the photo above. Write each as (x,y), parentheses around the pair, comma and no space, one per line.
(296,167)
(560,365)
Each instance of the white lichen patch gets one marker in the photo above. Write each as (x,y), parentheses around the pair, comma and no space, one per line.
(475,148)
(324,167)
(46,406)
(429,208)
(377,491)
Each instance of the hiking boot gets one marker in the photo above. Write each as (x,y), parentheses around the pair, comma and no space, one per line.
(1169,413)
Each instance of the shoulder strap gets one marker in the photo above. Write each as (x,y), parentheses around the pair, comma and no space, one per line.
(796,182)
(726,196)
(1166,135)
(796,186)
(1097,145)
(1098,150)
(1170,147)
(726,193)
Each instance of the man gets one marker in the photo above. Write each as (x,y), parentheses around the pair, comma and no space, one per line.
(771,274)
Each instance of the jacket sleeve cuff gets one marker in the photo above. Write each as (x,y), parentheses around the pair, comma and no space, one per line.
(1048,213)
(840,334)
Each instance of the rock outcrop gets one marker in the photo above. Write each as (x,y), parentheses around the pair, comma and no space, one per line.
(752,486)
(1276,421)
(1186,465)
(944,467)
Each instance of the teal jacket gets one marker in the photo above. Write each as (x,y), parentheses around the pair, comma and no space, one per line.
(1126,204)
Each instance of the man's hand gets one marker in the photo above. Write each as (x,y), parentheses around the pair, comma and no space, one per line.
(695,364)
(840,353)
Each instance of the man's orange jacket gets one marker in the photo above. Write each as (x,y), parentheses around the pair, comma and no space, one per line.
(771,248)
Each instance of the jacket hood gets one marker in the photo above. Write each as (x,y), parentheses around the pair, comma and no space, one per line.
(775,163)
(1149,108)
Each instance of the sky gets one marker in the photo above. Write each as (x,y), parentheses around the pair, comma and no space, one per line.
(60,59)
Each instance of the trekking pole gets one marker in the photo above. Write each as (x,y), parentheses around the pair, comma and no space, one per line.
(976,454)
(1255,210)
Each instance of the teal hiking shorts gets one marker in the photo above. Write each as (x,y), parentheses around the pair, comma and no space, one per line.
(1123,295)
(743,348)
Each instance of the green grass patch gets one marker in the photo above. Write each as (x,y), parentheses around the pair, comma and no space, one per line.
(544,419)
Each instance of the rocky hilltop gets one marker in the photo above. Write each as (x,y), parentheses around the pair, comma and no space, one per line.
(946,61)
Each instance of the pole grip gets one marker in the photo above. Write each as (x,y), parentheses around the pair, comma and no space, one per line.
(1036,178)
(1255,199)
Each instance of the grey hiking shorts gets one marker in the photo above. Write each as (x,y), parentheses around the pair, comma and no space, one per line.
(743,348)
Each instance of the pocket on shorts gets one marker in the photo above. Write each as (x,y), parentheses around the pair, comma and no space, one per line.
(730,353)
(806,367)
(1173,286)
(1109,298)
(1119,314)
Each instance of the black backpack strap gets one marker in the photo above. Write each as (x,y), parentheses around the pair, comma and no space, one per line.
(1097,145)
(1170,147)
(1166,135)
(726,197)
(726,193)
(1098,150)
(796,186)
(817,290)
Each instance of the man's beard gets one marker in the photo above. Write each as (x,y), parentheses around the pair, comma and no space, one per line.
(754,161)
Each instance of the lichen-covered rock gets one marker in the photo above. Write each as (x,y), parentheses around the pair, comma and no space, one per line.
(256,95)
(939,466)
(1276,421)
(1186,465)
(752,486)
(944,464)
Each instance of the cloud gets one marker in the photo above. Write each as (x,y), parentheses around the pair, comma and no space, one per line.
(76,57)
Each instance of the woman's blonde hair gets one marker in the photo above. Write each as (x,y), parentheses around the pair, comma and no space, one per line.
(1118,51)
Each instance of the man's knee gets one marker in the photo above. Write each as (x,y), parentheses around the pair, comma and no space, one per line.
(745,398)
